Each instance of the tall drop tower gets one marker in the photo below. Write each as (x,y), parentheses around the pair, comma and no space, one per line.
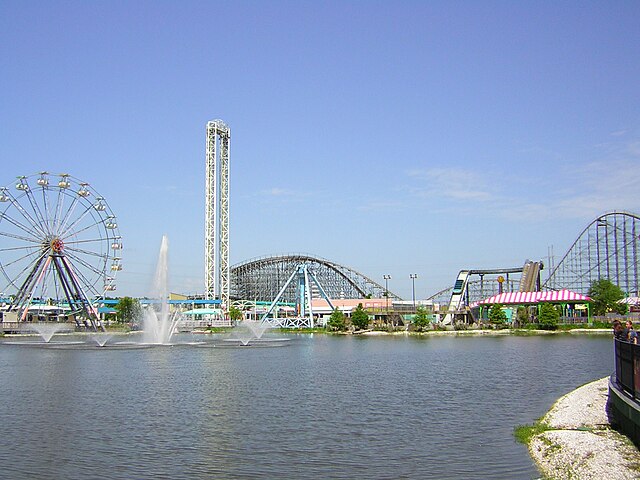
(216,236)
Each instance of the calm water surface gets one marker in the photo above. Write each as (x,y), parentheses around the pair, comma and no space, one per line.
(312,407)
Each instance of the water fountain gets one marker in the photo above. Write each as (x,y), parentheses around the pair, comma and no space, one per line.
(48,330)
(158,323)
(249,330)
(101,339)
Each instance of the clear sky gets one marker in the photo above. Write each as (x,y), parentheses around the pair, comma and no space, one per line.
(392,137)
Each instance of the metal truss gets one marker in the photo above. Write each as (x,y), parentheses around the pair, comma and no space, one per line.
(607,248)
(264,278)
(305,291)
(483,284)
(217,212)
(291,322)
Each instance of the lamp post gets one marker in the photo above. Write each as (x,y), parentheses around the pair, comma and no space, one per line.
(386,289)
(413,277)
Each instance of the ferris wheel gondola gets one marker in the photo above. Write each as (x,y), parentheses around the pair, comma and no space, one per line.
(59,246)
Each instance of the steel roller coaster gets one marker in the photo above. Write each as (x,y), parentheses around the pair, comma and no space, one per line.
(607,248)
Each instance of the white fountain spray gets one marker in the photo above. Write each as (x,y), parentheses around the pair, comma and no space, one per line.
(158,323)
(249,330)
(47,330)
(101,339)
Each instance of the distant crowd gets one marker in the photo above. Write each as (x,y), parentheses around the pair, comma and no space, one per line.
(626,333)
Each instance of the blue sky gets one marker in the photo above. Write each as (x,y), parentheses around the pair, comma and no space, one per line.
(392,137)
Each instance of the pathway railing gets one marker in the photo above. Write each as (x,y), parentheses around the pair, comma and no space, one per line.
(627,356)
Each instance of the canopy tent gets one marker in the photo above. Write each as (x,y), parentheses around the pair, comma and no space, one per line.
(524,298)
(572,303)
(631,300)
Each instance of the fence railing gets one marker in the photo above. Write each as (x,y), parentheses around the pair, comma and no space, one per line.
(627,357)
(609,318)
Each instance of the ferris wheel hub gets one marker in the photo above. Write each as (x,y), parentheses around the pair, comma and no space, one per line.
(57,245)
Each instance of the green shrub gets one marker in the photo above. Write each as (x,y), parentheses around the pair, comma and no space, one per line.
(421,320)
(548,317)
(497,317)
(337,321)
(359,318)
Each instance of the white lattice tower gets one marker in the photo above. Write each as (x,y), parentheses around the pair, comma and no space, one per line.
(217,212)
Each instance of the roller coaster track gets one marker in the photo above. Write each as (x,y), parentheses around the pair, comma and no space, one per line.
(262,278)
(608,248)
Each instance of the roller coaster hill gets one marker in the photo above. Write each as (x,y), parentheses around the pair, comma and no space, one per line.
(607,248)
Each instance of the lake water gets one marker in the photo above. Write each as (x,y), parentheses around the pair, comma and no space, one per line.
(310,407)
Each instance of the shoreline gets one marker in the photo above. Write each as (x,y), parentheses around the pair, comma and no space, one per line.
(574,439)
(517,332)
(374,333)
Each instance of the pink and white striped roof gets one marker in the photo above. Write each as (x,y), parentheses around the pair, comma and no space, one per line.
(535,297)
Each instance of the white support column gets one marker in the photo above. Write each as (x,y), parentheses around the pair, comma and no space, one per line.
(217,212)
(308,295)
(224,219)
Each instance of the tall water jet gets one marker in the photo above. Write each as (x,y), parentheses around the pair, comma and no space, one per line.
(158,323)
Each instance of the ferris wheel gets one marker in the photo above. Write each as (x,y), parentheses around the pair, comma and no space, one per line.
(59,249)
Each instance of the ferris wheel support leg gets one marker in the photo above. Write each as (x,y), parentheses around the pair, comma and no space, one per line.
(25,293)
(82,301)
(65,285)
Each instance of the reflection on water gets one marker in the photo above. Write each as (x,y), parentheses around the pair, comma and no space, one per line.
(321,407)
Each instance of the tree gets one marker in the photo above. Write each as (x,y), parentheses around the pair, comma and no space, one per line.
(128,310)
(606,295)
(522,315)
(548,317)
(235,313)
(337,321)
(359,318)
(421,319)
(497,317)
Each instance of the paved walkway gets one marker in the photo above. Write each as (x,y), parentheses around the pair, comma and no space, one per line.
(581,443)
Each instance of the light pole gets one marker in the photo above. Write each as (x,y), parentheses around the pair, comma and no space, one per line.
(386,289)
(413,277)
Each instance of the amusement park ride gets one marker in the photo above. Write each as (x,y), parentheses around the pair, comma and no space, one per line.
(60,252)
(216,237)
(59,249)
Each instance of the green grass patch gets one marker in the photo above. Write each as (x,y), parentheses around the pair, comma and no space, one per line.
(219,329)
(524,433)
(302,330)
(525,332)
